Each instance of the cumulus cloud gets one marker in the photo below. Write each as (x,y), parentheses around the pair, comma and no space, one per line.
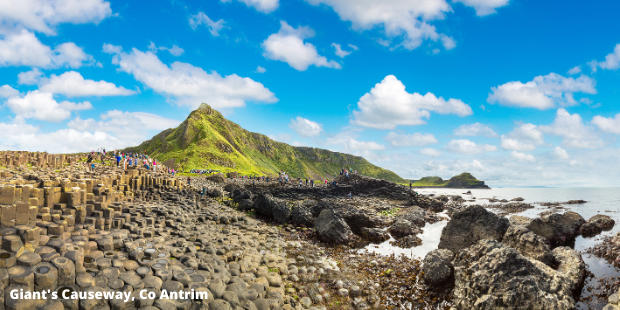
(42,106)
(574,70)
(416,139)
(573,131)
(188,85)
(305,127)
(288,46)
(7,91)
(44,15)
(25,137)
(355,145)
(116,120)
(264,6)
(430,152)
(464,146)
(174,50)
(608,124)
(543,92)
(522,156)
(342,53)
(475,129)
(526,137)
(72,84)
(407,21)
(29,77)
(202,19)
(282,137)
(388,105)
(559,152)
(484,7)
(24,49)
(611,62)
(260,69)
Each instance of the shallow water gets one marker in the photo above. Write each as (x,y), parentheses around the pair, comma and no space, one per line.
(599,201)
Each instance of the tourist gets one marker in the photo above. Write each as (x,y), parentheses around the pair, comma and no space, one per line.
(189,180)
(118,159)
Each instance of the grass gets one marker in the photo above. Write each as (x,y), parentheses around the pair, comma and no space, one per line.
(206,140)
(390,212)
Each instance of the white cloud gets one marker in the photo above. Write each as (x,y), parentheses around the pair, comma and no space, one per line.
(574,70)
(484,7)
(355,48)
(288,46)
(464,146)
(174,50)
(202,18)
(305,127)
(115,121)
(406,20)
(25,137)
(543,92)
(559,153)
(608,124)
(430,152)
(188,85)
(574,133)
(522,156)
(44,15)
(264,6)
(416,139)
(282,137)
(72,84)
(29,77)
(526,137)
(339,52)
(260,69)
(611,62)
(7,91)
(42,106)
(475,129)
(24,49)
(388,105)
(355,145)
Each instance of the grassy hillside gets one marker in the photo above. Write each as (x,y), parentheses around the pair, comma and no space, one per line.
(206,140)
(463,180)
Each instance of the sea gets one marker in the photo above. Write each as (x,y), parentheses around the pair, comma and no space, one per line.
(598,201)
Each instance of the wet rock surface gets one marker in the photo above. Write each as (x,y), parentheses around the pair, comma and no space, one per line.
(470,225)
(559,229)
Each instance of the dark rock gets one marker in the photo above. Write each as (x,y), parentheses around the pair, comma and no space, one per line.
(491,275)
(596,224)
(332,227)
(217,178)
(281,211)
(377,235)
(470,225)
(414,215)
(560,229)
(528,244)
(244,204)
(402,228)
(438,267)
(357,219)
(302,216)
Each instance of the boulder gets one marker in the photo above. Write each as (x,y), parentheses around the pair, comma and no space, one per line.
(560,229)
(518,220)
(491,275)
(376,235)
(332,228)
(528,244)
(302,216)
(231,188)
(241,193)
(414,215)
(217,178)
(596,224)
(470,225)
(357,219)
(438,267)
(244,204)
(571,264)
(402,228)
(215,193)
(263,205)
(281,211)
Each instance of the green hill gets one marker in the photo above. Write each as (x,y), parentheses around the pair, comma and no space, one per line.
(206,140)
(463,180)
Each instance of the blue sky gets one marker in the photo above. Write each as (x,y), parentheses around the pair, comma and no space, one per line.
(519,93)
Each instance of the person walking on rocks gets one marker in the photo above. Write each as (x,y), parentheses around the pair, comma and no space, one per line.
(118,159)
(189,180)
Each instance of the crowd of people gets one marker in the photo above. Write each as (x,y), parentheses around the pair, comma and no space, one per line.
(127,160)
